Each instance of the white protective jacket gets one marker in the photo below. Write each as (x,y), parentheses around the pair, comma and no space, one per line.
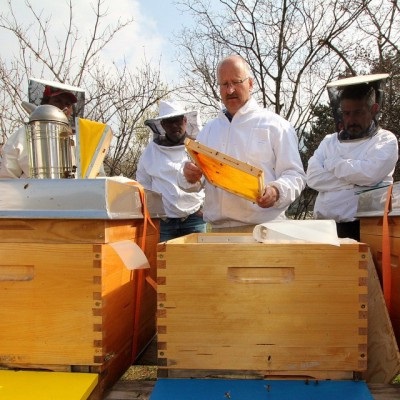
(158,169)
(338,169)
(15,163)
(266,141)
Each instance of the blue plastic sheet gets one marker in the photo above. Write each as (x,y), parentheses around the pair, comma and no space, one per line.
(247,389)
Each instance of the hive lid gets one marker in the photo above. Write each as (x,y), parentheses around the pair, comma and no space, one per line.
(371,203)
(101,198)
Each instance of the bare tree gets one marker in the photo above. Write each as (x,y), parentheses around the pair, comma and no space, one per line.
(294,48)
(382,27)
(124,99)
(115,94)
(380,52)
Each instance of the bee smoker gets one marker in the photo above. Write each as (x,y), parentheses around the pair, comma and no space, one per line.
(50,144)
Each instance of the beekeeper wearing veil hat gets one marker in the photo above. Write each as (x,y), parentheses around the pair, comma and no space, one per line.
(360,154)
(160,163)
(69,99)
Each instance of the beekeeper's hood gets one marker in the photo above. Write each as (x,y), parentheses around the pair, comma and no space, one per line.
(170,109)
(336,88)
(39,88)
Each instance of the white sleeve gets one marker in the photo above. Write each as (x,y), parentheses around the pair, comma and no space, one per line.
(141,174)
(15,158)
(290,176)
(318,177)
(185,185)
(372,166)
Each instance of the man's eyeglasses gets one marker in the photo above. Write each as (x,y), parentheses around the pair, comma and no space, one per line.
(234,84)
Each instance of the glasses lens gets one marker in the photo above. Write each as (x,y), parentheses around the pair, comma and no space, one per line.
(234,84)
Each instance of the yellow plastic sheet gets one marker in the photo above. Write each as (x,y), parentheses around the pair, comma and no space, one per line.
(93,139)
(44,385)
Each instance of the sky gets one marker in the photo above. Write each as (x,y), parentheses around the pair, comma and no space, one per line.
(167,20)
(155,24)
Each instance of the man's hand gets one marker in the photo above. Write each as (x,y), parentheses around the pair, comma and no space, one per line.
(269,197)
(192,172)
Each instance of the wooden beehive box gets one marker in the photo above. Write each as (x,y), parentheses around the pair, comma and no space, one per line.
(228,303)
(67,299)
(371,233)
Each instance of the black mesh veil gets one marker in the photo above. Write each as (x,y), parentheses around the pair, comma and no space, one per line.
(335,89)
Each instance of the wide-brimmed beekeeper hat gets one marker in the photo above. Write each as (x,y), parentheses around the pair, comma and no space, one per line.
(39,88)
(363,82)
(171,109)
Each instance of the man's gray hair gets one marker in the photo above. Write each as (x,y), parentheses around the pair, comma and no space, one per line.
(246,65)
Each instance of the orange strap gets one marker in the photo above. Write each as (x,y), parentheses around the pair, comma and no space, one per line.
(140,274)
(147,219)
(145,212)
(386,261)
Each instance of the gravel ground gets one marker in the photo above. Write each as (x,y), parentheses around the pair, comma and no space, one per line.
(140,373)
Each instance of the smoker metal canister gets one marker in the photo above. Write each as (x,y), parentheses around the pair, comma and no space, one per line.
(50,144)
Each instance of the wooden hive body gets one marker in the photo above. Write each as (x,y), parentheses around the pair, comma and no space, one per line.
(68,300)
(371,233)
(228,303)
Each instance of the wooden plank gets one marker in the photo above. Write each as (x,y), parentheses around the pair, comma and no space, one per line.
(384,392)
(251,374)
(125,390)
(67,231)
(373,226)
(371,233)
(383,352)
